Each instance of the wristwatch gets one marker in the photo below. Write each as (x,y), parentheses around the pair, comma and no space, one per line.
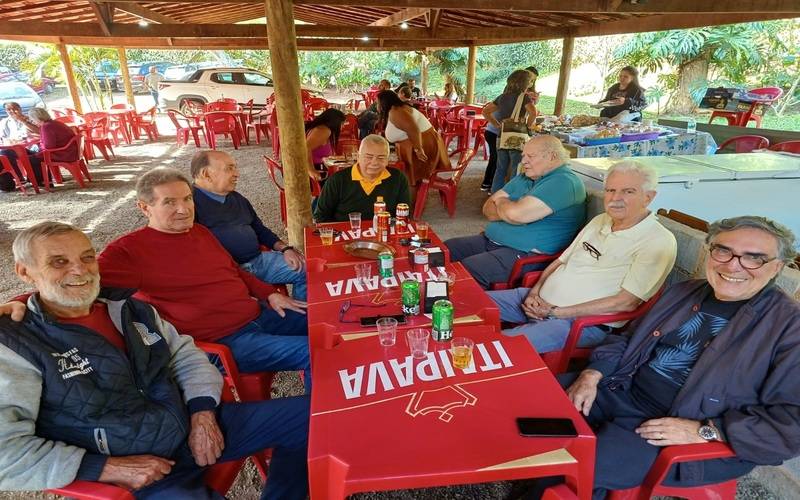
(707,431)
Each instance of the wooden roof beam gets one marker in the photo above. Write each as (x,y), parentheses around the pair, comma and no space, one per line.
(104,14)
(400,17)
(145,13)
(669,22)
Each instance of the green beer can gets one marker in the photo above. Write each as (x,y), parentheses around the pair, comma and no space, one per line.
(442,327)
(386,264)
(410,291)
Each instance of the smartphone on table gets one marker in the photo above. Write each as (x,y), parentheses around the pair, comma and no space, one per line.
(546,427)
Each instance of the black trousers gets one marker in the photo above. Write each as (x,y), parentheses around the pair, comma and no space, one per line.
(491,166)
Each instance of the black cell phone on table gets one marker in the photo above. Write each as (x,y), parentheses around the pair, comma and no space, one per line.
(546,427)
(373,320)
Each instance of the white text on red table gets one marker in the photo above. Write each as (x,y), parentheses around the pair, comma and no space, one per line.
(353,285)
(400,372)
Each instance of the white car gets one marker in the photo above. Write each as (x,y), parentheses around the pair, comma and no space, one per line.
(210,84)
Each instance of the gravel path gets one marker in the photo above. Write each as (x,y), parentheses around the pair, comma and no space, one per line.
(105,209)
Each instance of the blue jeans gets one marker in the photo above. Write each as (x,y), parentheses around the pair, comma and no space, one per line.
(271,267)
(154,93)
(507,159)
(545,335)
(485,260)
(280,424)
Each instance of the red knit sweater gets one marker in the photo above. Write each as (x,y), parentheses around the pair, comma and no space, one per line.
(189,277)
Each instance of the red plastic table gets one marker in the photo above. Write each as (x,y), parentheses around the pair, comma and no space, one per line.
(381,420)
(473,124)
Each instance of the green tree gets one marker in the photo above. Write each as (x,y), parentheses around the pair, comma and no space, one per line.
(13,55)
(734,51)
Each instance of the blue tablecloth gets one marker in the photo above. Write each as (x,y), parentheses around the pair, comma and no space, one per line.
(700,143)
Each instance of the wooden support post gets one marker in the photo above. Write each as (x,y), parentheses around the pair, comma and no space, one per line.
(126,76)
(471,64)
(563,74)
(294,154)
(70,77)
(424,75)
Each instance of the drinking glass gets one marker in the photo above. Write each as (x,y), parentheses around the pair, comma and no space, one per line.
(418,342)
(326,235)
(450,278)
(422,230)
(461,351)
(355,223)
(387,330)
(363,272)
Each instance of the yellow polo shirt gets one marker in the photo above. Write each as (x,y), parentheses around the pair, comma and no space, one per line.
(367,185)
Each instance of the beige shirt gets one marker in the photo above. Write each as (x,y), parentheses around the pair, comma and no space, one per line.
(637,259)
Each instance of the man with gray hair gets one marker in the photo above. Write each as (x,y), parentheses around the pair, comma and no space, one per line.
(538,211)
(619,260)
(237,226)
(356,189)
(96,386)
(715,359)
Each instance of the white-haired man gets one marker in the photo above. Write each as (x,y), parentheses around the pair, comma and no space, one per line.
(620,259)
(538,211)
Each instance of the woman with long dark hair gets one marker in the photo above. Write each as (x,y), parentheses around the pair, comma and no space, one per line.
(417,143)
(625,95)
(322,135)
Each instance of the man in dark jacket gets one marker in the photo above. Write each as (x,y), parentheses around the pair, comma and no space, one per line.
(714,360)
(100,388)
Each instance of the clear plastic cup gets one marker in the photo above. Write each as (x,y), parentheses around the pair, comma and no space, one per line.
(355,222)
(326,235)
(387,331)
(422,230)
(418,342)
(363,272)
(461,350)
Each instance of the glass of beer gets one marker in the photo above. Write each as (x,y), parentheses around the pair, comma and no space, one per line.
(450,278)
(355,223)
(461,351)
(418,342)
(326,235)
(387,329)
(422,230)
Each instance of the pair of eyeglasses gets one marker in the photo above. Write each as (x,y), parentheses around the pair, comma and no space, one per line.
(347,305)
(592,250)
(748,261)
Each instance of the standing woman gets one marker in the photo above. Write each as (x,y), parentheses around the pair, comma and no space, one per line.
(625,95)
(500,160)
(322,135)
(418,145)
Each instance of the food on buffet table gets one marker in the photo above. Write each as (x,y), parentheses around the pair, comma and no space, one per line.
(585,120)
(605,133)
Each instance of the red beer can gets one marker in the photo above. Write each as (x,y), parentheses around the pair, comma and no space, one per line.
(401,218)
(383,226)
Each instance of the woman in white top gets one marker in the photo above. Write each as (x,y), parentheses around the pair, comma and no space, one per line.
(449,93)
(418,145)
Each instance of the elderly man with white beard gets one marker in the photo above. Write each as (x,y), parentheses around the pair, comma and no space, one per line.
(96,386)
(620,259)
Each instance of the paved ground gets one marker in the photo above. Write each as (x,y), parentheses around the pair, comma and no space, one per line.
(106,210)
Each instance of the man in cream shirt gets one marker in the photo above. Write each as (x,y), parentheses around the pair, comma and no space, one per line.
(618,260)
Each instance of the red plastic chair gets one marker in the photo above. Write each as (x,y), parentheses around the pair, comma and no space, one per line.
(275,134)
(257,121)
(185,126)
(515,277)
(354,103)
(349,127)
(446,182)
(347,146)
(221,123)
(5,167)
(97,135)
(314,104)
(559,492)
(226,105)
(275,171)
(745,143)
(787,146)
(773,93)
(671,455)
(78,168)
(558,361)
(145,123)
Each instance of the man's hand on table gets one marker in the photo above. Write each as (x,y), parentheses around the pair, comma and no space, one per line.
(294,259)
(205,438)
(135,471)
(281,303)
(583,391)
(14,309)
(670,431)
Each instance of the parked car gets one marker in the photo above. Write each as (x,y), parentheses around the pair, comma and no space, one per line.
(106,74)
(210,84)
(180,71)
(20,93)
(139,71)
(43,85)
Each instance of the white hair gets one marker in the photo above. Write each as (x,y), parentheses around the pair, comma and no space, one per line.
(375,139)
(22,248)
(648,173)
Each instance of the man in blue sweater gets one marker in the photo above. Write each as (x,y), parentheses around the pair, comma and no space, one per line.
(234,222)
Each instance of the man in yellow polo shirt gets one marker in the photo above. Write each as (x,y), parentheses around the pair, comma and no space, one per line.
(356,189)
(618,260)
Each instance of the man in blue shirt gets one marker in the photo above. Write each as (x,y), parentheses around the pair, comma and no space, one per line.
(538,211)
(234,222)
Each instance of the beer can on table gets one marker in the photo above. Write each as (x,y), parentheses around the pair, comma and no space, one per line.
(386,264)
(442,324)
(410,292)
(401,217)
(420,260)
(383,226)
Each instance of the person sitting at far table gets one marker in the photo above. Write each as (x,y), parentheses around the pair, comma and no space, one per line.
(356,189)
(618,260)
(234,222)
(17,127)
(538,211)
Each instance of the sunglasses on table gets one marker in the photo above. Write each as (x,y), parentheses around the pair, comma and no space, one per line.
(347,305)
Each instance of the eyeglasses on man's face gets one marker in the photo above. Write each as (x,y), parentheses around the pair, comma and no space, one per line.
(723,255)
(592,250)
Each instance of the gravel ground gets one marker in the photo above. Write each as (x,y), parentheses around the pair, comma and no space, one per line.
(105,209)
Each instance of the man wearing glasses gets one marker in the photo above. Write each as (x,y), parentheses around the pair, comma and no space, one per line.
(619,260)
(716,359)
(356,189)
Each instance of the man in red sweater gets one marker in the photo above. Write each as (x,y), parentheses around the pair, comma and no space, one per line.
(182,269)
